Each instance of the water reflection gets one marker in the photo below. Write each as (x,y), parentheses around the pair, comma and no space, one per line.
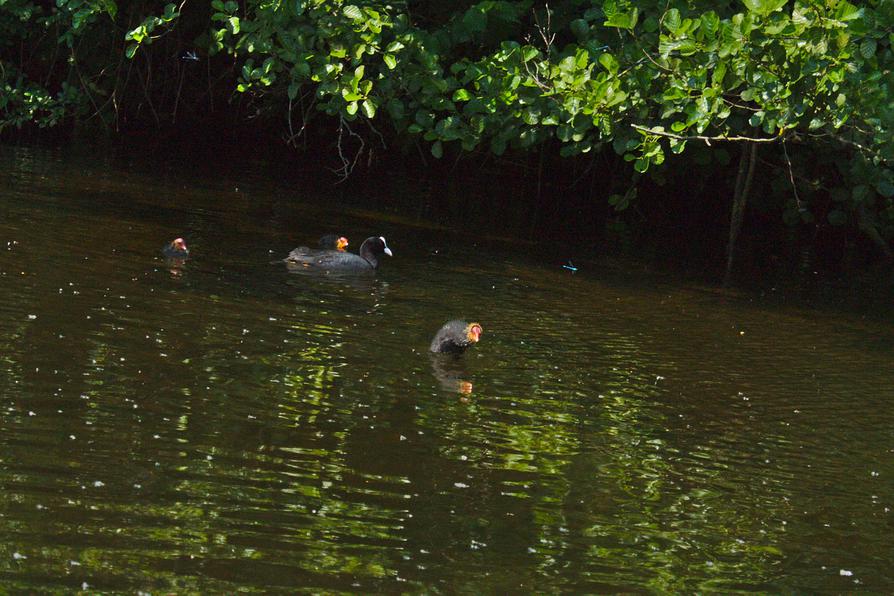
(451,373)
(242,427)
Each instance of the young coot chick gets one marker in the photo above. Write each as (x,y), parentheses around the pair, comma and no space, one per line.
(333,242)
(455,337)
(328,243)
(333,260)
(175,249)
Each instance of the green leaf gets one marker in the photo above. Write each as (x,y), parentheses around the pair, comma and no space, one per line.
(390,61)
(860,193)
(845,11)
(885,188)
(710,23)
(837,217)
(437,150)
(394,46)
(621,20)
(672,20)
(529,53)
(461,95)
(369,108)
(764,7)
(131,50)
(352,12)
(233,22)
(580,28)
(867,48)
(351,108)
(609,63)
(475,20)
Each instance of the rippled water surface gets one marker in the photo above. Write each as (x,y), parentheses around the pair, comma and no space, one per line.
(230,425)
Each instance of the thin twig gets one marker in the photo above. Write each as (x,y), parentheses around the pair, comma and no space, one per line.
(548,38)
(791,175)
(305,114)
(377,133)
(707,139)
(545,32)
(347,166)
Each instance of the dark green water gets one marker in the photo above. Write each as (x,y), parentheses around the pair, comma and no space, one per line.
(230,426)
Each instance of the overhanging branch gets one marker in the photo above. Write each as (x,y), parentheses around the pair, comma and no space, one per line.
(706,139)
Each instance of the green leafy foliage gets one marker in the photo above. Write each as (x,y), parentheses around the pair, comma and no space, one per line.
(642,77)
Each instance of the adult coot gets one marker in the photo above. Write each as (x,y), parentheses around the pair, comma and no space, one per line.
(455,337)
(175,249)
(334,260)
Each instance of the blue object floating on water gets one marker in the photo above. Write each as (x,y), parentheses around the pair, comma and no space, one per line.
(569,266)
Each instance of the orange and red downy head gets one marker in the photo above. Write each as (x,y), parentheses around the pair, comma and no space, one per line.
(473,332)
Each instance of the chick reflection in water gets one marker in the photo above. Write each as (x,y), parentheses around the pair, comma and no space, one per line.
(449,343)
(176,253)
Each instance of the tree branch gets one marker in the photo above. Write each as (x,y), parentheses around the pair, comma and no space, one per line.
(707,139)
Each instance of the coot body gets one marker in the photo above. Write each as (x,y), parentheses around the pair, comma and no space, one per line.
(455,337)
(175,249)
(334,260)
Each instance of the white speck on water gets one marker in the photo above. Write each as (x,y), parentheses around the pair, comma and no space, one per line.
(845,573)
(99,484)
(72,437)
(32,317)
(460,485)
(18,556)
(874,474)
(30,413)
(403,438)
